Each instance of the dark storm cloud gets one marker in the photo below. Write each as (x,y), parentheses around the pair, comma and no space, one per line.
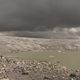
(38,14)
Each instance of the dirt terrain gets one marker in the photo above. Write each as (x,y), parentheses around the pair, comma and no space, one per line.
(10,44)
(14,69)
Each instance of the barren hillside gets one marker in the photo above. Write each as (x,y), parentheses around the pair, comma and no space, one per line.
(22,44)
(14,69)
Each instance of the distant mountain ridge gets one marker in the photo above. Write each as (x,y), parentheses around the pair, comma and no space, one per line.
(56,33)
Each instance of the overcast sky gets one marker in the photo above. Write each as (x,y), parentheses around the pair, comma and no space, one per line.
(38,14)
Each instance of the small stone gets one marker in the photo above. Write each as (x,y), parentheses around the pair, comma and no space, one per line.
(59,51)
(5,79)
(72,75)
(46,78)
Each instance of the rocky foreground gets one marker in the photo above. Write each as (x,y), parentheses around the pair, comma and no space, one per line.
(14,69)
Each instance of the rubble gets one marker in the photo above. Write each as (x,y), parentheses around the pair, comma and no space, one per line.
(15,69)
(23,44)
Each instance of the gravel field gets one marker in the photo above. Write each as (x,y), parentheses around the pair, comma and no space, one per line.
(23,44)
(14,69)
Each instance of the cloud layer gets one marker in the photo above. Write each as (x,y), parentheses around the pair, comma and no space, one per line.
(38,14)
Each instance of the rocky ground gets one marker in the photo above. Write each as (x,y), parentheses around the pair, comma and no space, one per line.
(10,44)
(14,69)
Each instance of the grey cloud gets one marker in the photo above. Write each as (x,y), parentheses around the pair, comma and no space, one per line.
(38,14)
